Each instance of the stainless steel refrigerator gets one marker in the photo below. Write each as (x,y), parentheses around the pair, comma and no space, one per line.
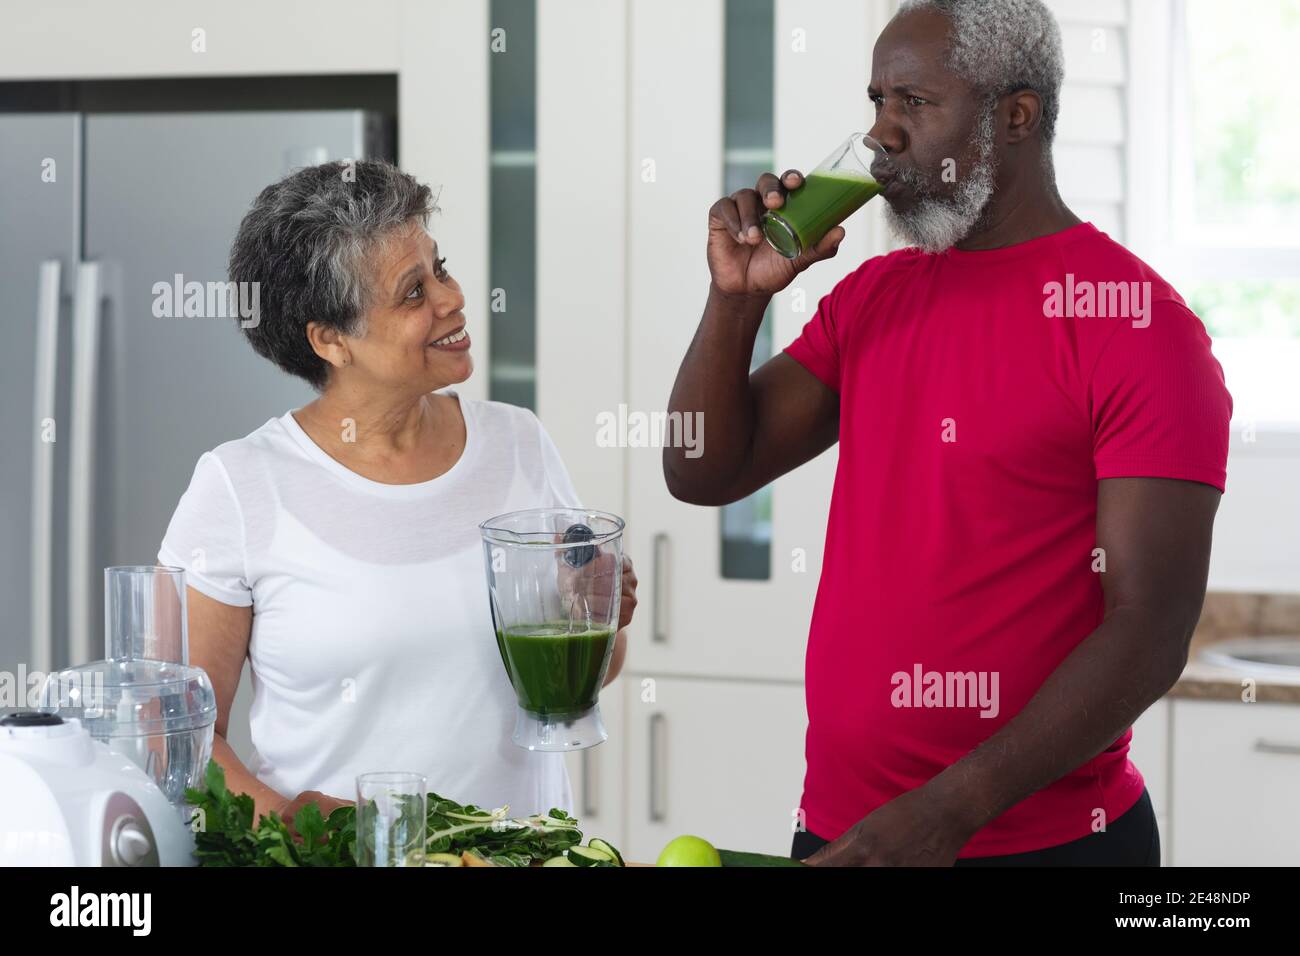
(106,406)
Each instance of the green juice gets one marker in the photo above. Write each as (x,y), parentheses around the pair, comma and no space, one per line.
(824,201)
(554,672)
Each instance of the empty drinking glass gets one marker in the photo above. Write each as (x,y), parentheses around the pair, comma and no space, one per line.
(391,819)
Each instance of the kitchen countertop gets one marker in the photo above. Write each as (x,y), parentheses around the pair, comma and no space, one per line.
(1202,681)
(1231,615)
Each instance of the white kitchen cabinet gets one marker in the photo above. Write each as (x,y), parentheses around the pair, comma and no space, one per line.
(582,177)
(1150,752)
(722,760)
(1236,783)
(596,773)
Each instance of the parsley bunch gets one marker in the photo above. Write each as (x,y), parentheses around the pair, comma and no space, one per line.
(224,834)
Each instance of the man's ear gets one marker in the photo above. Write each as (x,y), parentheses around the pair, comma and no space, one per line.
(1024,115)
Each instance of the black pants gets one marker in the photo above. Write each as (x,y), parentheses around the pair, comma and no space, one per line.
(1130,840)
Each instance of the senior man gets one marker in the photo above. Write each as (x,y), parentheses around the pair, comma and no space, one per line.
(1032,437)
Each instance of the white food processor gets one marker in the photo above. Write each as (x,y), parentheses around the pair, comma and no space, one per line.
(96,776)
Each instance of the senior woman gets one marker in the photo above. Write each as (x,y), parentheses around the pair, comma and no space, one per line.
(337,547)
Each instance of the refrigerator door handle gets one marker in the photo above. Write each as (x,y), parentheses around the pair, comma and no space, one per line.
(43,438)
(81,460)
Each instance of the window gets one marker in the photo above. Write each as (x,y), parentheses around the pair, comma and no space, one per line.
(512,261)
(1232,246)
(746,526)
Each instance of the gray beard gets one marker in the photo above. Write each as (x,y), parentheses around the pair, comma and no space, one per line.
(936,223)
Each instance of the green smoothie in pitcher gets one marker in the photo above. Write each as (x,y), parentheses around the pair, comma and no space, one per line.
(552,671)
(824,201)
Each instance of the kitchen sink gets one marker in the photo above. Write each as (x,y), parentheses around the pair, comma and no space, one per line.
(1273,657)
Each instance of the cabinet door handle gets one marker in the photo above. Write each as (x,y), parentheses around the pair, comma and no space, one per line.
(588,804)
(657,813)
(659,602)
(1263,746)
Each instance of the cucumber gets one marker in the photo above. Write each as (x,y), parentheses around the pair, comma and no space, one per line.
(603,847)
(559,861)
(443,859)
(586,856)
(739,858)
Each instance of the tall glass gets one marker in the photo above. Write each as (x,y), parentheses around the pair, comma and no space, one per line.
(832,192)
(391,819)
(554,581)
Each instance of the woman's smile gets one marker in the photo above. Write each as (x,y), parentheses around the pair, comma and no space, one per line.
(457,341)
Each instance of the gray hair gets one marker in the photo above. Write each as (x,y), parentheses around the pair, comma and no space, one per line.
(999,46)
(309,242)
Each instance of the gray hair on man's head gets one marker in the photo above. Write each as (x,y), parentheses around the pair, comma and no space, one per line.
(310,241)
(999,46)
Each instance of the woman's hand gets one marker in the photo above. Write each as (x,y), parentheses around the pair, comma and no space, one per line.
(627,603)
(327,805)
(593,584)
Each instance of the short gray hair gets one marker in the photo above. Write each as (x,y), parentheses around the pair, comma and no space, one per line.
(309,242)
(999,46)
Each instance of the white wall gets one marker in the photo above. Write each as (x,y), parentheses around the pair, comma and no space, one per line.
(1257,533)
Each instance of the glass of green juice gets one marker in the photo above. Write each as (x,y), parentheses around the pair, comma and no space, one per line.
(555,577)
(829,194)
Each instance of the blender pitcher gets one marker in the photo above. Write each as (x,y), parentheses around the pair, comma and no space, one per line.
(554,580)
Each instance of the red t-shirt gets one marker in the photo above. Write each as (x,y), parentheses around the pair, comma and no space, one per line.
(979,407)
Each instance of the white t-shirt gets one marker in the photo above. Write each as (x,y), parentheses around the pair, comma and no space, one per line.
(372,645)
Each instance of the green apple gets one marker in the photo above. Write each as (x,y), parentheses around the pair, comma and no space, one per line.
(689,851)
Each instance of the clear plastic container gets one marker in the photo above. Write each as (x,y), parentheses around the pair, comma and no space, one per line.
(144,613)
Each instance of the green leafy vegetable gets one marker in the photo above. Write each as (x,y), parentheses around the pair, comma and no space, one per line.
(225,834)
(499,839)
